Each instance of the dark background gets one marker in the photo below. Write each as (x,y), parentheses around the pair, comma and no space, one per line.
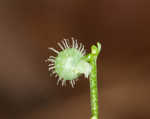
(28,28)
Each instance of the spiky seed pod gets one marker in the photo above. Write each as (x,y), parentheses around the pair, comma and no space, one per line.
(69,63)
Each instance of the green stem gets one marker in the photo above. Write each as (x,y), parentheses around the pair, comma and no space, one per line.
(94,91)
(92,59)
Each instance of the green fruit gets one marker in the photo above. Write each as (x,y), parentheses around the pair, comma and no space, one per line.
(69,63)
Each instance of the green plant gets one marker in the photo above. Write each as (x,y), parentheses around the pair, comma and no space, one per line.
(71,62)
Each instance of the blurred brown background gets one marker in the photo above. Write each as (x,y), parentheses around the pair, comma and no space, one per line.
(28,28)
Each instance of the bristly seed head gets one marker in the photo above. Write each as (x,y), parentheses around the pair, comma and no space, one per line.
(69,63)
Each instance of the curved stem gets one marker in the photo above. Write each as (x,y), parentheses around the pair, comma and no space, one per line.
(92,59)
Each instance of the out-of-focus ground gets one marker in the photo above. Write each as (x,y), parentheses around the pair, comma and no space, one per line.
(27,28)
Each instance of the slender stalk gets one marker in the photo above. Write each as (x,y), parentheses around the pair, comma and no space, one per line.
(94,90)
(92,59)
